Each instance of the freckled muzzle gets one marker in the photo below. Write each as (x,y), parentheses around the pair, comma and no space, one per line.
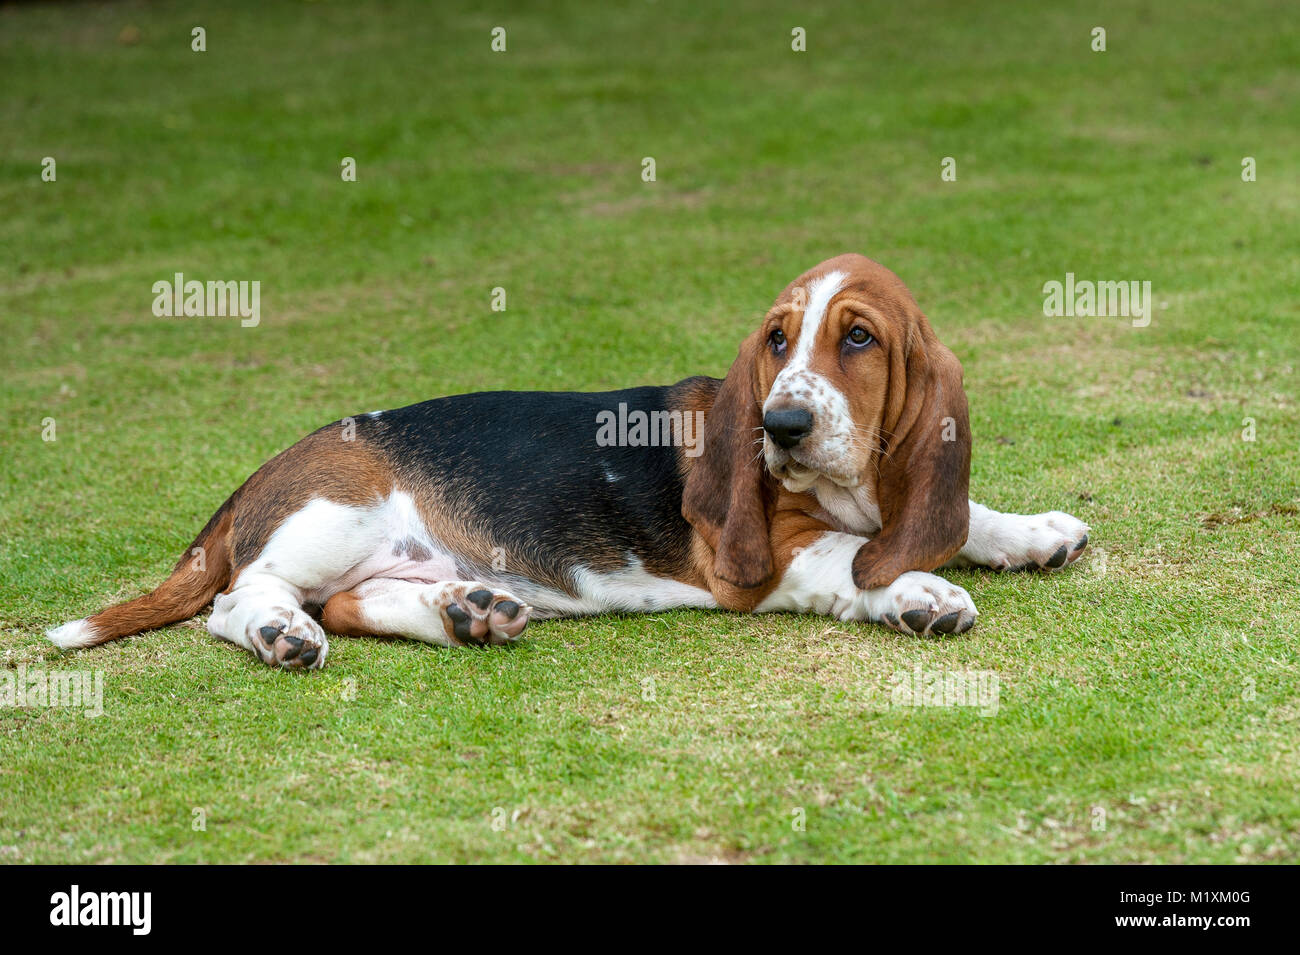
(809,433)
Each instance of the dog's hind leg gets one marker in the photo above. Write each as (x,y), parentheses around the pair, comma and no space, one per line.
(308,558)
(268,619)
(450,613)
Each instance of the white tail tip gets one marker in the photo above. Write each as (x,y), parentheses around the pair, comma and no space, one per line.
(70,636)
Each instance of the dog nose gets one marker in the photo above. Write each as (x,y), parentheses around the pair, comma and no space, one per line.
(788,426)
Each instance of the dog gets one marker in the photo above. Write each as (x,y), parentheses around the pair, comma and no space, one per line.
(830,476)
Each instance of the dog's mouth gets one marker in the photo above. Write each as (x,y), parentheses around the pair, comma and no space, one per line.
(797,476)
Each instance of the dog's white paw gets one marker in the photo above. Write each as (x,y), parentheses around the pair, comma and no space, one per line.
(1012,542)
(289,638)
(918,603)
(476,614)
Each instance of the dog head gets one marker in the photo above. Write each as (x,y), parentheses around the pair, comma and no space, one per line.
(843,382)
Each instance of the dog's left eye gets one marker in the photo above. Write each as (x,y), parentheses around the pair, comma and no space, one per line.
(858,336)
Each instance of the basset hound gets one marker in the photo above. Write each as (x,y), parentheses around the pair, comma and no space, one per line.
(827,473)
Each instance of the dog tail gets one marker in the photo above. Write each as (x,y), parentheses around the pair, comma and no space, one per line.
(201,573)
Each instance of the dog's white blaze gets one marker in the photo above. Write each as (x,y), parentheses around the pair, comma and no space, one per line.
(797,371)
(820,292)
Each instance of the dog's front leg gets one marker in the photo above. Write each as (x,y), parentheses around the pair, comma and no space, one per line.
(819,579)
(1013,542)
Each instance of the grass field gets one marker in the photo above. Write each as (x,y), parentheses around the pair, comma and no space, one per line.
(1149,697)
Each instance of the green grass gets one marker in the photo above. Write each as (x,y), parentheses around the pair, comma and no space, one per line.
(1159,680)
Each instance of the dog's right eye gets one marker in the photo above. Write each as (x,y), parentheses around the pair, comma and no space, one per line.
(777,341)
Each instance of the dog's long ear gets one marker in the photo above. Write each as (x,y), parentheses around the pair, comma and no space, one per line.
(925,467)
(726,497)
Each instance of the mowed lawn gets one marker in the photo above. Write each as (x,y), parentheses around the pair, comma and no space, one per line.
(1149,704)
